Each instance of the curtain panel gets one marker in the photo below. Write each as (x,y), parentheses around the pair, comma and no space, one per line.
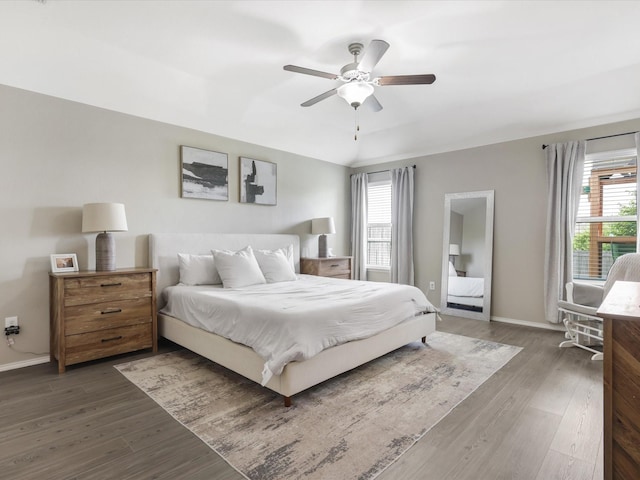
(402,225)
(359,187)
(565,165)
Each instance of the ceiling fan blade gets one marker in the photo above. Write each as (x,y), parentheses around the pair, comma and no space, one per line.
(322,96)
(309,71)
(372,55)
(372,103)
(426,79)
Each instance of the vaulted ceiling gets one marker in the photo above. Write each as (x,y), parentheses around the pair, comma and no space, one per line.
(505,70)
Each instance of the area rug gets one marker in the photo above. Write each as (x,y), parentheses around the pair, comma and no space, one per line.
(350,427)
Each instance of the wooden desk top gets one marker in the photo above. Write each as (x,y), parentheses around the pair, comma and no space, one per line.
(622,302)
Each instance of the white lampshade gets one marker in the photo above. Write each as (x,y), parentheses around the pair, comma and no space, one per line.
(454,249)
(355,93)
(322,226)
(104,217)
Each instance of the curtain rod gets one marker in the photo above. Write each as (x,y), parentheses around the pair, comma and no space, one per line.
(380,171)
(600,138)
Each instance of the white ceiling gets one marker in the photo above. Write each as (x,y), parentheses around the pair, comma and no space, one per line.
(505,69)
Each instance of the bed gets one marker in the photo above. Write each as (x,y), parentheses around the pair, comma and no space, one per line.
(466,293)
(296,375)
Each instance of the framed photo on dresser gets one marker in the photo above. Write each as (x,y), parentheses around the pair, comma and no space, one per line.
(64,262)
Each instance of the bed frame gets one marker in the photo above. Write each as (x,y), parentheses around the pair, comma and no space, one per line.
(296,376)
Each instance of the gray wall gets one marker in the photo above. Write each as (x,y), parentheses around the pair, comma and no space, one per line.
(516,171)
(472,245)
(57,155)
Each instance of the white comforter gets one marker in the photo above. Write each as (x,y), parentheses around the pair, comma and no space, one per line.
(293,321)
(466,286)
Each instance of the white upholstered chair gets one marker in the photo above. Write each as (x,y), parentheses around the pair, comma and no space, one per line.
(584,327)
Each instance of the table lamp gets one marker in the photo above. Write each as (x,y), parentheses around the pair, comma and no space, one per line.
(104,218)
(322,227)
(454,251)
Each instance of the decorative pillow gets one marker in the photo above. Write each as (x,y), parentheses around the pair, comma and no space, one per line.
(275,265)
(238,269)
(452,270)
(198,270)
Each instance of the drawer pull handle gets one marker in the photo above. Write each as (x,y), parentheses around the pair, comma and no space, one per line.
(335,265)
(111,339)
(111,310)
(111,284)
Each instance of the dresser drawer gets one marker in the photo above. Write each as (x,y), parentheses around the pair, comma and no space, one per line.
(100,316)
(93,345)
(339,267)
(103,288)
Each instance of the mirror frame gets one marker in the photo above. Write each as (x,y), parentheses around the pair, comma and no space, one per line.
(488,256)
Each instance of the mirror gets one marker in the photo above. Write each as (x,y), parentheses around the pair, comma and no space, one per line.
(467,255)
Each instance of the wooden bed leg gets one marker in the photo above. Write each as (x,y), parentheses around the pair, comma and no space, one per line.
(424,340)
(287,401)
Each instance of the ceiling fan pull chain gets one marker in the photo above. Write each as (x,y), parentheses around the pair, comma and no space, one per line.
(357,127)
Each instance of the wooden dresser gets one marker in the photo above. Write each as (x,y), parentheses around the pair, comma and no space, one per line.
(621,373)
(98,314)
(337,267)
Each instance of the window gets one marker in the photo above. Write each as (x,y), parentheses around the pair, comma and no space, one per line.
(606,226)
(379,223)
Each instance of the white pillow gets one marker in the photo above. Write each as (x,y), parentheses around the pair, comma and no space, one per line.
(197,270)
(452,270)
(288,252)
(275,265)
(238,269)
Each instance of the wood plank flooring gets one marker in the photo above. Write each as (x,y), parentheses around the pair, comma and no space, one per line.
(538,418)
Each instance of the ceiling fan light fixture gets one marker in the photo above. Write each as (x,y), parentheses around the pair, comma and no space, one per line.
(355,93)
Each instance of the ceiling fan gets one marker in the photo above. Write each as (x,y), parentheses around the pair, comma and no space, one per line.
(356,77)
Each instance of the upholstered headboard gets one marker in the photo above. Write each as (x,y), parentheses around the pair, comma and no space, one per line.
(164,249)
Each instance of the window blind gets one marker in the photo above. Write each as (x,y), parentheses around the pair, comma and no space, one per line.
(379,224)
(606,226)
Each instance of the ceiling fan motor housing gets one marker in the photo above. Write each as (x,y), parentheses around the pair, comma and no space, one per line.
(350,72)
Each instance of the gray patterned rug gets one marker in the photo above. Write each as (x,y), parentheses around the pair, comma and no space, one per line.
(350,427)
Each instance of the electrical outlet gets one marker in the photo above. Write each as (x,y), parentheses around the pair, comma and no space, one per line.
(432,285)
(10,322)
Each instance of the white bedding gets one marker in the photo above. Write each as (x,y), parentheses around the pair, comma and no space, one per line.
(466,286)
(293,321)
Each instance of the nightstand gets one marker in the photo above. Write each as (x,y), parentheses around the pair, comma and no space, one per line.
(336,267)
(99,314)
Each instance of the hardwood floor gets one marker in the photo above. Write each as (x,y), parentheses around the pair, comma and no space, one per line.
(538,418)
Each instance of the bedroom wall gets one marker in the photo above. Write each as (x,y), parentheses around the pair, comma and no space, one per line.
(57,155)
(516,172)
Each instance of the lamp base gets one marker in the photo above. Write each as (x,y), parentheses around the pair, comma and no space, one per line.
(105,252)
(322,246)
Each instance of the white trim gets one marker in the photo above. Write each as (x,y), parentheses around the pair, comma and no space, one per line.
(24,363)
(377,268)
(611,218)
(525,323)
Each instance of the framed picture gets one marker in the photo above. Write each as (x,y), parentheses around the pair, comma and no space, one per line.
(258,181)
(64,262)
(204,174)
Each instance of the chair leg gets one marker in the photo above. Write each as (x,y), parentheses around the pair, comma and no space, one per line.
(577,333)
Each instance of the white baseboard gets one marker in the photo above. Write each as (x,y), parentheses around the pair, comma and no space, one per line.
(24,363)
(546,326)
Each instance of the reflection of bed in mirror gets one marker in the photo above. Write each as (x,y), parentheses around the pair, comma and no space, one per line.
(465,293)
